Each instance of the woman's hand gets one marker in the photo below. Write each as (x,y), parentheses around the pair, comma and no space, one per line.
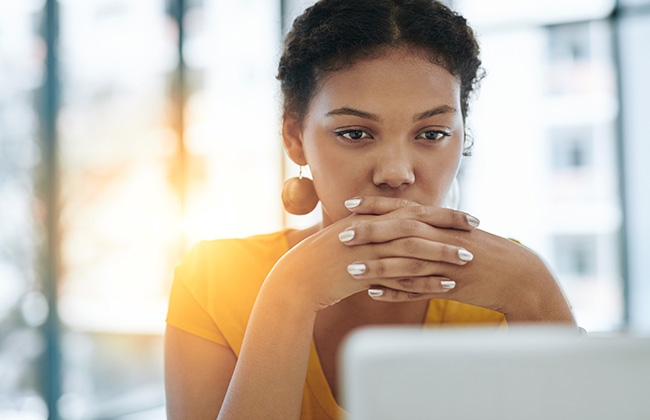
(425,251)
(389,242)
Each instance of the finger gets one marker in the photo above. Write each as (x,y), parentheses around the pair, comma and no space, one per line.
(419,285)
(376,205)
(421,249)
(380,231)
(425,249)
(404,237)
(387,294)
(395,268)
(434,216)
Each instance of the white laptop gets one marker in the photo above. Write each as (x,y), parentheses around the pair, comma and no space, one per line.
(529,373)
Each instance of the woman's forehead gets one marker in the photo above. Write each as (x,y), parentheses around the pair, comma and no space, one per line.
(398,77)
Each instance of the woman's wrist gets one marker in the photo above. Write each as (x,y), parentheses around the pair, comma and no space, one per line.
(540,299)
(289,286)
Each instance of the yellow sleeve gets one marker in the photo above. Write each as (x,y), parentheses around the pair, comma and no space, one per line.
(216,284)
(189,298)
(187,314)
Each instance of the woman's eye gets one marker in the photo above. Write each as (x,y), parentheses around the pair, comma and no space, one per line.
(352,134)
(434,135)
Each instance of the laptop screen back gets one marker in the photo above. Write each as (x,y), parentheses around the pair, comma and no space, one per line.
(528,374)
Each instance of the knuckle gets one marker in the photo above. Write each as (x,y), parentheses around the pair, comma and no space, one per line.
(394,294)
(410,245)
(449,252)
(363,230)
(458,218)
(367,205)
(415,266)
(401,203)
(413,295)
(421,211)
(430,286)
(372,205)
(406,282)
(409,226)
(380,268)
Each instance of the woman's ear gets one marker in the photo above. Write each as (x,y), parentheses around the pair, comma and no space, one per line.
(292,138)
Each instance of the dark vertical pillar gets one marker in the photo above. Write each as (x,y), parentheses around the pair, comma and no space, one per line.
(179,97)
(632,37)
(49,186)
(620,149)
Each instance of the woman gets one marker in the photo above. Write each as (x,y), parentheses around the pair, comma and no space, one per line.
(375,99)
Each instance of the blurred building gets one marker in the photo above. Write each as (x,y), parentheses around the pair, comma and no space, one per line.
(545,167)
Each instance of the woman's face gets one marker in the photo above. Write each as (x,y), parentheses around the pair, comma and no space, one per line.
(389,126)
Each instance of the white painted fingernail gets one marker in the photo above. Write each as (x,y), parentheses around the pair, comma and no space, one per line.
(356,269)
(465,255)
(447,284)
(352,203)
(375,292)
(473,221)
(347,235)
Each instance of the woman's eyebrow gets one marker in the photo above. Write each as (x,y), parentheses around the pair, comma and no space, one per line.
(442,109)
(355,113)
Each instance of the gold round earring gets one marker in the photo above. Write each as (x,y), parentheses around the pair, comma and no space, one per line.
(299,195)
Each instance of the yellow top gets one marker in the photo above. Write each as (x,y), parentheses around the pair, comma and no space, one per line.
(215,287)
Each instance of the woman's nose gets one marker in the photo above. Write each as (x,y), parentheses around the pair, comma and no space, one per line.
(393,168)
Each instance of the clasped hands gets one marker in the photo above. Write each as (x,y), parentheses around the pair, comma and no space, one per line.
(424,252)
(398,250)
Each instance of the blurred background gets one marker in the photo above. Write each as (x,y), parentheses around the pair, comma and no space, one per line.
(130,129)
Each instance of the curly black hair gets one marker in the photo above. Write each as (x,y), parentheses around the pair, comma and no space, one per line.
(334,34)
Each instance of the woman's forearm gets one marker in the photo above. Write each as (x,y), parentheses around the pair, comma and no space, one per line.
(269,378)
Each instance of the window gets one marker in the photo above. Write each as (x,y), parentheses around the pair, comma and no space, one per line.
(569,43)
(575,255)
(571,148)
